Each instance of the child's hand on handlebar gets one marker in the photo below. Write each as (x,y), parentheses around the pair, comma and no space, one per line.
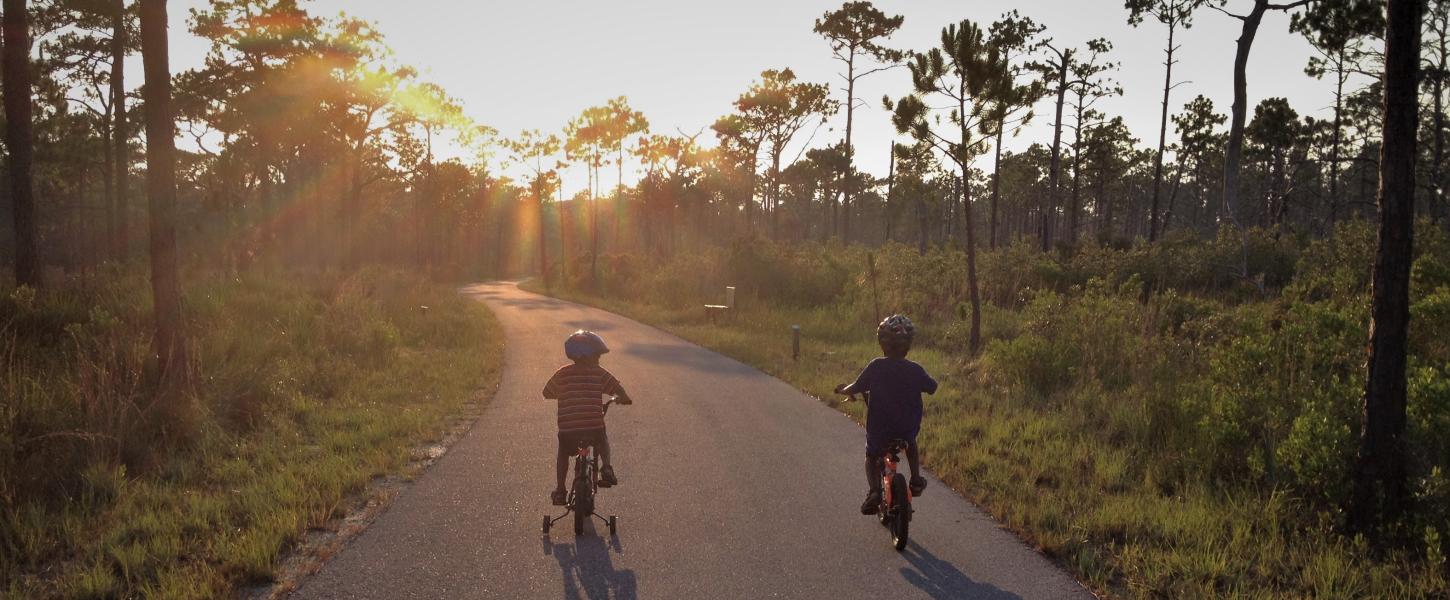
(841,389)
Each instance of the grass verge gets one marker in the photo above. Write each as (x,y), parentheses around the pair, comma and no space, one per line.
(309,387)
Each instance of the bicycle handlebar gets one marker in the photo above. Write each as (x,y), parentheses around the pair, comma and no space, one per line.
(614,400)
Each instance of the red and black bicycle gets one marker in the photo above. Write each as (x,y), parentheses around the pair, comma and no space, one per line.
(895,510)
(583,490)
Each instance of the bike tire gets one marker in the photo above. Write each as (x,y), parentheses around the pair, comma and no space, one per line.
(579,519)
(547,523)
(583,496)
(900,512)
(613,525)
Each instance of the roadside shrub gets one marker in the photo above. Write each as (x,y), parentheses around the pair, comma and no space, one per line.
(307,386)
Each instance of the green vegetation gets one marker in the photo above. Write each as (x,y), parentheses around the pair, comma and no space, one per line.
(1172,420)
(307,387)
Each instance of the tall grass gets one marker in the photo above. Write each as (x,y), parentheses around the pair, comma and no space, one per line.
(308,386)
(1171,421)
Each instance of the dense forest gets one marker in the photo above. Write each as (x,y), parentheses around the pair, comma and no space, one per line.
(1240,239)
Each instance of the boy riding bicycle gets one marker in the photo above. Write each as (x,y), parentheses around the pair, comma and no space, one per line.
(580,388)
(895,385)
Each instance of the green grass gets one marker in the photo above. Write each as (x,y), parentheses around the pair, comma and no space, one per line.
(1068,474)
(309,387)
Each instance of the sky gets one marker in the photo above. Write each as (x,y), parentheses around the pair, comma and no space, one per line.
(536,64)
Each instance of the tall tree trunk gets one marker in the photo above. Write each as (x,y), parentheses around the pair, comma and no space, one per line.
(161,194)
(775,192)
(1233,155)
(1335,140)
(1437,159)
(1379,469)
(1056,169)
(975,341)
(1105,219)
(1076,201)
(119,129)
(750,194)
(594,229)
(890,186)
(543,232)
(1162,136)
(618,238)
(850,153)
(1173,195)
(107,246)
(996,184)
(19,140)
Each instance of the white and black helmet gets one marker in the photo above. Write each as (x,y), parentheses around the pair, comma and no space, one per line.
(895,328)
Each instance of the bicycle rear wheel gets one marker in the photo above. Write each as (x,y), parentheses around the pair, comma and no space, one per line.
(583,503)
(900,512)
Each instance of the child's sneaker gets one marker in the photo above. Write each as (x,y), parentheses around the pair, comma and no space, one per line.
(607,478)
(918,485)
(872,504)
(559,497)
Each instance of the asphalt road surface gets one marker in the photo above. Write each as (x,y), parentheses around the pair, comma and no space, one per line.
(732,485)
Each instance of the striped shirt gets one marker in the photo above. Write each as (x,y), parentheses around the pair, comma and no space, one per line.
(580,390)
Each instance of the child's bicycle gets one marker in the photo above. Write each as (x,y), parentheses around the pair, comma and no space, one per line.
(583,490)
(895,510)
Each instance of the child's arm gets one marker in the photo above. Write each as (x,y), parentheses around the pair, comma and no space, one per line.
(613,388)
(551,389)
(858,386)
(928,384)
(621,397)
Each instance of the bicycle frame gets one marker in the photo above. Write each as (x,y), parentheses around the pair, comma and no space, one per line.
(580,500)
(895,508)
(890,459)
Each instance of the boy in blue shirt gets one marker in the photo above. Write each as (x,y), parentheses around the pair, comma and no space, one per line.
(895,385)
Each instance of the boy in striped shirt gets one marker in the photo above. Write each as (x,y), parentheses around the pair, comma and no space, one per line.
(580,389)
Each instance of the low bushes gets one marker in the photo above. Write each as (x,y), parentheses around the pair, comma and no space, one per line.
(307,385)
(1169,420)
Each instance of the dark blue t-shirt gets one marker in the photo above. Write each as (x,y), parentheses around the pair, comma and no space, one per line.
(896,386)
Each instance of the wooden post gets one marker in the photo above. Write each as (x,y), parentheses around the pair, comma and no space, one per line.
(795,342)
(730,297)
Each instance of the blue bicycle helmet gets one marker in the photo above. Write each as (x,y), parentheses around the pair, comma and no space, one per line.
(583,344)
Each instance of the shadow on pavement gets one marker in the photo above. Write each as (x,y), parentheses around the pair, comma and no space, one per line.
(588,571)
(589,325)
(684,355)
(533,303)
(942,580)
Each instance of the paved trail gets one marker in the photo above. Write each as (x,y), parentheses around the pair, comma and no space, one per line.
(733,485)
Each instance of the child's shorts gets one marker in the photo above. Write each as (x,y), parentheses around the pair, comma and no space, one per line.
(569,441)
(876,444)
